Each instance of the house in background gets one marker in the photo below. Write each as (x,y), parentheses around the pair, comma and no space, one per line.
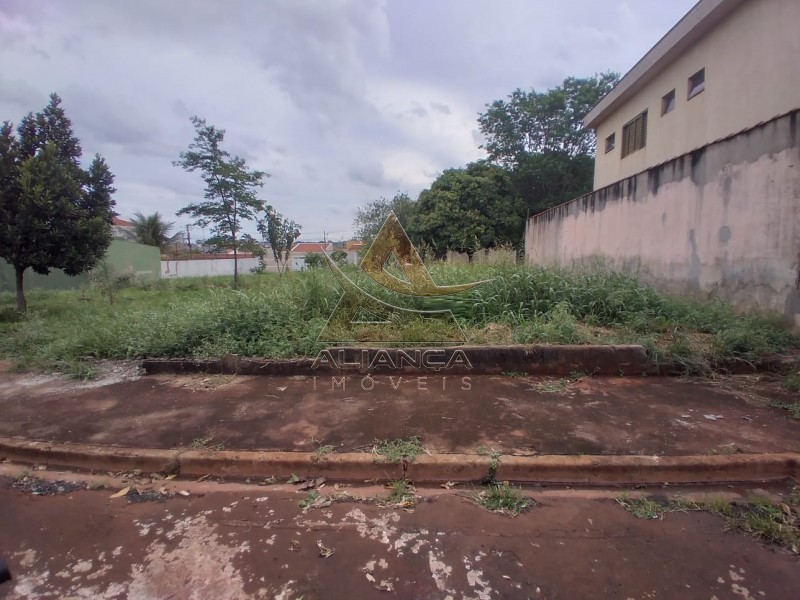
(122,229)
(300,249)
(697,166)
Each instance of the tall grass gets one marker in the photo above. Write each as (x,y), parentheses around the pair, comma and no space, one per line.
(273,316)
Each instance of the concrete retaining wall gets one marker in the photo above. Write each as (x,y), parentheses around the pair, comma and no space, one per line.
(210,267)
(723,220)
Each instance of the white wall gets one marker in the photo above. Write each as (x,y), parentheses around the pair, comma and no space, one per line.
(209,268)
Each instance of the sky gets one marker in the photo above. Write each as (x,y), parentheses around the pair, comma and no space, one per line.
(342,102)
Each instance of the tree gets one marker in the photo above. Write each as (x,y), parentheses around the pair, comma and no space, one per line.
(279,234)
(53,214)
(314,260)
(540,138)
(230,189)
(152,230)
(370,218)
(467,209)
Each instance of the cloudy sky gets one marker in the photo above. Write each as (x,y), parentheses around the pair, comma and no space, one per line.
(341,101)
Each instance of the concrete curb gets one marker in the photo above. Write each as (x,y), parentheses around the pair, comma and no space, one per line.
(629,360)
(481,360)
(552,469)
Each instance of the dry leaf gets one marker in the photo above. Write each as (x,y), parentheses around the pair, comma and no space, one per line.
(169,477)
(184,493)
(449,484)
(324,552)
(121,493)
(294,546)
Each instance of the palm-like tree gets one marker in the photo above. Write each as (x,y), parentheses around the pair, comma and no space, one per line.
(152,230)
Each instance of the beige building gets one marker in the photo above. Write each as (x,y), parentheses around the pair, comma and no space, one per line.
(697,169)
(727,66)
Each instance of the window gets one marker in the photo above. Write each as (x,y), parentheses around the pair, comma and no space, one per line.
(634,134)
(668,103)
(697,83)
(611,142)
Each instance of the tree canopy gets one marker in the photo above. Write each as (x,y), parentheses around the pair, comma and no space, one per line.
(370,217)
(53,213)
(230,188)
(540,138)
(470,208)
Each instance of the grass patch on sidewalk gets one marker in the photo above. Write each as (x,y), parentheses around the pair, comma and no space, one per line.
(501,498)
(281,317)
(398,450)
(774,522)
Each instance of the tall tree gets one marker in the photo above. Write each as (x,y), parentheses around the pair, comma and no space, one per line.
(540,138)
(230,189)
(467,209)
(279,234)
(370,217)
(53,214)
(152,230)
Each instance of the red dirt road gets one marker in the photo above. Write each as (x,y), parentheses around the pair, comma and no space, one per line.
(237,541)
(515,415)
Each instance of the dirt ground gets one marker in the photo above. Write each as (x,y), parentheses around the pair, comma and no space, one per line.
(238,541)
(515,415)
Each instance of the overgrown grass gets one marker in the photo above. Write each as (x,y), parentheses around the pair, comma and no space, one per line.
(278,317)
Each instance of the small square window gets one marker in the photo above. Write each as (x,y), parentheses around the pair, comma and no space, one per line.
(668,103)
(611,142)
(697,83)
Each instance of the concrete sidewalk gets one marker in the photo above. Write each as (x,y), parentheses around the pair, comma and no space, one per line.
(516,416)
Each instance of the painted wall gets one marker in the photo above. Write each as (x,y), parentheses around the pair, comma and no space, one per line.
(724,219)
(211,267)
(125,257)
(752,74)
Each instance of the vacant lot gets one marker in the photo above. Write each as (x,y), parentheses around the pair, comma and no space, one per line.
(273,316)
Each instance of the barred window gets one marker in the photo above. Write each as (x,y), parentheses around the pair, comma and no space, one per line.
(634,134)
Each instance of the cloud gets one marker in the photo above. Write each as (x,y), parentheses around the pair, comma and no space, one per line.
(341,101)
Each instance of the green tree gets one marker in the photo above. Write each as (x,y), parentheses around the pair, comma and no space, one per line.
(152,230)
(540,138)
(370,218)
(53,213)
(314,260)
(279,234)
(230,189)
(470,208)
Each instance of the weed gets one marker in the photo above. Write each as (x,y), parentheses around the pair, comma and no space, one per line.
(402,494)
(792,407)
(399,450)
(551,387)
(494,462)
(204,443)
(514,374)
(643,508)
(501,498)
(322,451)
(761,518)
(310,498)
(792,382)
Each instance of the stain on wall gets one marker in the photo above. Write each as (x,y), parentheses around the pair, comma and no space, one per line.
(722,220)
